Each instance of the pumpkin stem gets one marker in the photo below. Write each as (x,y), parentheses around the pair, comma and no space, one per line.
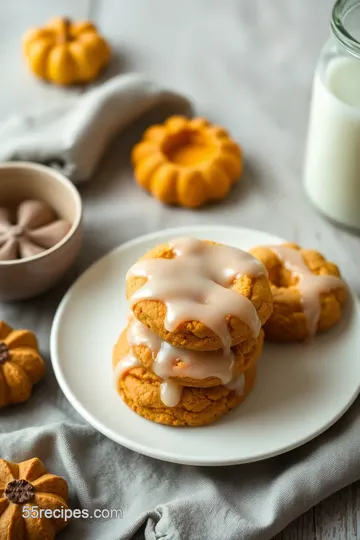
(19,491)
(64,34)
(4,352)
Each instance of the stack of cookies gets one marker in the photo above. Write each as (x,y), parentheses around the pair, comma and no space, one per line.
(194,335)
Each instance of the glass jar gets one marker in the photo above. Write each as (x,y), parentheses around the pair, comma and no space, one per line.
(332,160)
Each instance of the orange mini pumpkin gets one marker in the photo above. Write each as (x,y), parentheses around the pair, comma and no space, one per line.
(187,162)
(65,52)
(26,492)
(21,365)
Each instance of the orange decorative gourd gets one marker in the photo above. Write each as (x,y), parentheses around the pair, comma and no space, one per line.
(32,502)
(187,162)
(21,365)
(65,52)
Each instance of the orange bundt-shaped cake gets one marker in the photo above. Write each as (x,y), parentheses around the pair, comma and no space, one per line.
(187,162)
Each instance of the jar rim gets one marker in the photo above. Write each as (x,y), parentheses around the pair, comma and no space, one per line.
(341,9)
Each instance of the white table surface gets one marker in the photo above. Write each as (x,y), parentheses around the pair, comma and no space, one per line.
(246,64)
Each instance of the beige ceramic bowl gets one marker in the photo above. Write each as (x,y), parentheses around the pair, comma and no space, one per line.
(26,278)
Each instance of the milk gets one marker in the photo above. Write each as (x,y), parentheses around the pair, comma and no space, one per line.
(332,163)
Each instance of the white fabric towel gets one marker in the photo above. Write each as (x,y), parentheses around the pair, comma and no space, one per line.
(73,137)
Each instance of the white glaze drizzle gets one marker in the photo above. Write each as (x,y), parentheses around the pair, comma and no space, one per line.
(310,286)
(170,393)
(237,384)
(195,285)
(170,361)
(127,363)
(139,334)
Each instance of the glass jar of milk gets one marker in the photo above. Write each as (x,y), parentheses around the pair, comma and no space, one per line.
(332,161)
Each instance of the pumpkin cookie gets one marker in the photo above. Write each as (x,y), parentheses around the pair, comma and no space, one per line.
(21,365)
(307,289)
(66,52)
(188,368)
(200,295)
(144,393)
(187,162)
(25,487)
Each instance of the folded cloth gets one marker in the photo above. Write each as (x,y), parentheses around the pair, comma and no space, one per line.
(73,137)
(175,502)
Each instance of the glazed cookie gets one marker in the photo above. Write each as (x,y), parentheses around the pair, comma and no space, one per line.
(189,368)
(200,295)
(308,292)
(146,394)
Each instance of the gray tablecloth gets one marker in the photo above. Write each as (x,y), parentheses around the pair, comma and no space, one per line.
(247,65)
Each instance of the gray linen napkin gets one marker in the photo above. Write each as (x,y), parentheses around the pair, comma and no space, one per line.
(73,137)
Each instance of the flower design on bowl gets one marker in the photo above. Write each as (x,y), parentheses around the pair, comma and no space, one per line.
(33,229)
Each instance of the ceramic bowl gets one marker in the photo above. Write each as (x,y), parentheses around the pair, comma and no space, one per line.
(25,278)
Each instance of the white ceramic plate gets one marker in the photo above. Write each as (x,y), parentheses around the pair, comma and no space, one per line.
(301,389)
